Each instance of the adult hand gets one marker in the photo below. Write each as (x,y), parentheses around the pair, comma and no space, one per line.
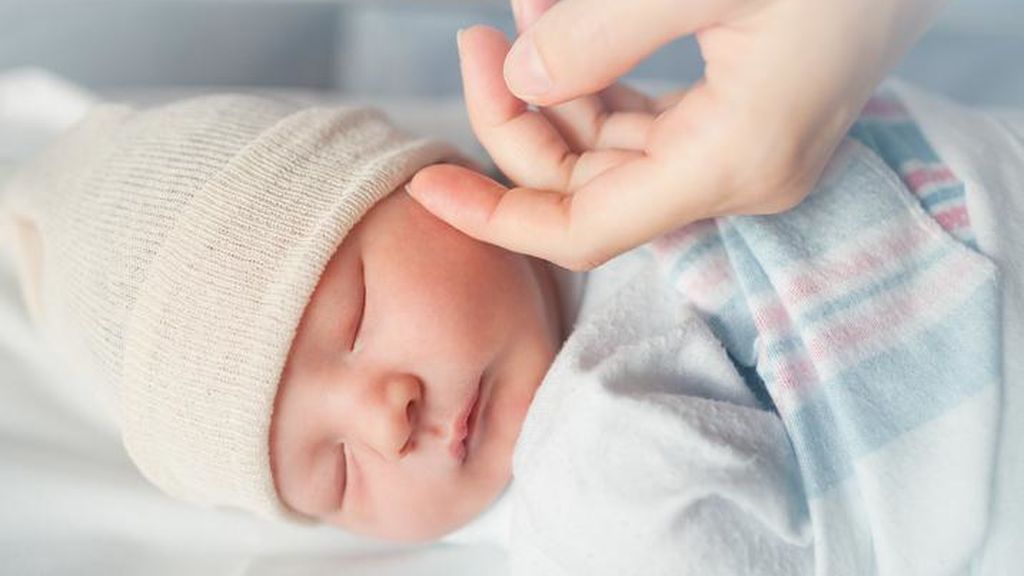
(600,168)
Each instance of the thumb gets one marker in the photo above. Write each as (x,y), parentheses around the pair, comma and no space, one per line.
(579,47)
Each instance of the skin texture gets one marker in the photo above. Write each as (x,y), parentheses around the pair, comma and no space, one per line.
(363,430)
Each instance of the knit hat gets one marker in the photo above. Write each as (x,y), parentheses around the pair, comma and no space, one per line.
(173,251)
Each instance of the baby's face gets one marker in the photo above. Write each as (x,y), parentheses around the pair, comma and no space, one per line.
(416,336)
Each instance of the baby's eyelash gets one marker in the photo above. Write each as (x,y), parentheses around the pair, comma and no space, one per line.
(358,324)
(342,474)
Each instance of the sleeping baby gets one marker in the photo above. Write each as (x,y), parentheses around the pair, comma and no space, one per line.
(279,327)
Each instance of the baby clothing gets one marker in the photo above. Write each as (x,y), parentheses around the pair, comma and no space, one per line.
(812,392)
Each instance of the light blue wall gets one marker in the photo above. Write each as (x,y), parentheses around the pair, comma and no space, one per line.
(395,48)
(121,42)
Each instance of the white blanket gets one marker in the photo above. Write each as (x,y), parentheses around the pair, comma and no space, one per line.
(644,453)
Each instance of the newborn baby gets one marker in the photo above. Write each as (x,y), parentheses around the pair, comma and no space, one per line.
(278,325)
(282,329)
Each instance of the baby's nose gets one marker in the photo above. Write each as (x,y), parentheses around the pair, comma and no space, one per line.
(396,415)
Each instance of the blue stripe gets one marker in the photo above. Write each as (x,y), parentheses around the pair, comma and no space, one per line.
(940,195)
(896,143)
(693,254)
(865,408)
(859,199)
(908,272)
(789,343)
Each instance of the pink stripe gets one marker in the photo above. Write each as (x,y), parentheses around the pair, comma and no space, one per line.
(771,318)
(954,218)
(918,178)
(885,322)
(839,274)
(707,274)
(793,373)
(789,371)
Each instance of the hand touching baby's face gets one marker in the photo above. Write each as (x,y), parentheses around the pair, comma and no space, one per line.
(415,334)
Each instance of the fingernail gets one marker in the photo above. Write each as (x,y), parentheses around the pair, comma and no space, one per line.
(525,73)
(458,39)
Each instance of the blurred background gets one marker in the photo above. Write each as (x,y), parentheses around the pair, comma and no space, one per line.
(393,48)
(397,54)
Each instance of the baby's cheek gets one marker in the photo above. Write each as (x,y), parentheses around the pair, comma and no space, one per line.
(420,504)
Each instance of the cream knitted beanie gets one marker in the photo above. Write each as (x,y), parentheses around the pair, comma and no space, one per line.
(174,250)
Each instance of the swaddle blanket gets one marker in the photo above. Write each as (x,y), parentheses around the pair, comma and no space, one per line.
(873,324)
(867,325)
(645,453)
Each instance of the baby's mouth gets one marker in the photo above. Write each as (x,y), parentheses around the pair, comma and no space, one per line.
(464,426)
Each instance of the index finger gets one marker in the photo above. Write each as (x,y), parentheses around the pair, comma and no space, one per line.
(522,142)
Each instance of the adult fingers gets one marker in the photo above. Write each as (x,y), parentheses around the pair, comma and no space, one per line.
(522,143)
(527,12)
(619,199)
(593,164)
(484,209)
(587,124)
(589,121)
(605,217)
(669,99)
(582,46)
(617,117)
(624,98)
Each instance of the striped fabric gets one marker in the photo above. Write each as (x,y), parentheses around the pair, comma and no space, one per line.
(886,127)
(865,316)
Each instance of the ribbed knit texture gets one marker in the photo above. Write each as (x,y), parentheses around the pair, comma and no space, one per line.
(174,251)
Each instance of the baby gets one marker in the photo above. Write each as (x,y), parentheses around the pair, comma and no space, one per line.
(283,329)
(409,376)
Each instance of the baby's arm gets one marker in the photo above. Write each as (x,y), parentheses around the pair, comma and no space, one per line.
(661,484)
(642,454)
